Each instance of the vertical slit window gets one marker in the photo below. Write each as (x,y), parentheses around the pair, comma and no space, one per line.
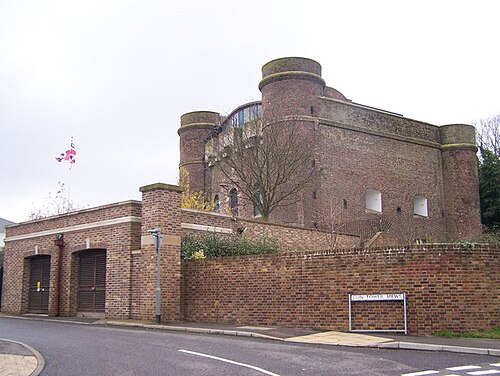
(233,196)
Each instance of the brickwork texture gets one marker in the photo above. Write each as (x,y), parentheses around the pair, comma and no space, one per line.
(447,288)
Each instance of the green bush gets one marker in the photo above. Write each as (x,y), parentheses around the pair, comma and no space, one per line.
(220,245)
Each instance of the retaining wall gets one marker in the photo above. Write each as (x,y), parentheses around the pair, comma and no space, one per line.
(448,287)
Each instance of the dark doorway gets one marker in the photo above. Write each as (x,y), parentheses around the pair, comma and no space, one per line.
(38,299)
(92,281)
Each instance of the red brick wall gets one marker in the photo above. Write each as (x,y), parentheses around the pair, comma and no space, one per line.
(448,287)
(288,237)
(410,170)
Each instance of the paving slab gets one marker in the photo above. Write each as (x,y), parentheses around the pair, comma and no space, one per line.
(340,338)
(19,359)
(17,365)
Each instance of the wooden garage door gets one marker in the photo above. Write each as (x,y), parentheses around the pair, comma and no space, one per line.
(38,299)
(92,281)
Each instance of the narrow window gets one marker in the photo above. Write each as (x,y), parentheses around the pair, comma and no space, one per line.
(373,200)
(258,198)
(233,195)
(216,204)
(420,206)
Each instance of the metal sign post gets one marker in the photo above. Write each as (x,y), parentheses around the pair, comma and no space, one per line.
(378,298)
(157,237)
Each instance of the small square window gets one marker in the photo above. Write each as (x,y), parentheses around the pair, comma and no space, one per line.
(420,206)
(374,200)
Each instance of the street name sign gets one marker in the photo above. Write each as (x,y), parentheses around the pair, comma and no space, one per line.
(360,298)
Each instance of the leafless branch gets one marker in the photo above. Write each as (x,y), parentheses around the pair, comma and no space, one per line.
(488,133)
(268,164)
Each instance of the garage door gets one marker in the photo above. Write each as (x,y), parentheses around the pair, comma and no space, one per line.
(38,299)
(92,281)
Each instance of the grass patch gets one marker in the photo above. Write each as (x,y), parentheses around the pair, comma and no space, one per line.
(493,333)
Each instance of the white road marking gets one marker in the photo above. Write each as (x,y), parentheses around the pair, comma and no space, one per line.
(488,372)
(495,365)
(231,362)
(421,373)
(463,368)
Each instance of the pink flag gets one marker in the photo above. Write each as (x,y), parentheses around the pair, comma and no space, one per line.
(69,155)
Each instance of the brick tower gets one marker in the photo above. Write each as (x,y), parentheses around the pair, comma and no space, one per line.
(460,181)
(195,127)
(290,87)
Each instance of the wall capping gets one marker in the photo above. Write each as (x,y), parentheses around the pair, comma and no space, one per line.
(192,226)
(160,186)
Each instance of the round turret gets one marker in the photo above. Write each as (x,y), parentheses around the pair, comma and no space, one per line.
(195,128)
(460,181)
(290,86)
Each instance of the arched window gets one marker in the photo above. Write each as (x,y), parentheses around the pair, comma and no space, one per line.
(233,196)
(216,204)
(420,206)
(373,200)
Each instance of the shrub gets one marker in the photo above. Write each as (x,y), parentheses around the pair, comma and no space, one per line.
(213,244)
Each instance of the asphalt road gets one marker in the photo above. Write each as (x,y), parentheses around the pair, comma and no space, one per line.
(71,349)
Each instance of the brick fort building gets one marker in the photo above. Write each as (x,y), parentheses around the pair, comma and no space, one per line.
(381,172)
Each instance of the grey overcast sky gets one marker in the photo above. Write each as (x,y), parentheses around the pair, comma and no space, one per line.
(117,74)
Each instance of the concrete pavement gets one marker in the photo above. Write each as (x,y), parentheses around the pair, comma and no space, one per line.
(18,359)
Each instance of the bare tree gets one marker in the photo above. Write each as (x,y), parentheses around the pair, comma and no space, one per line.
(488,133)
(58,203)
(330,218)
(269,164)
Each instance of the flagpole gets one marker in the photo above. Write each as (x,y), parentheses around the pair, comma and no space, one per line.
(69,191)
(69,155)
(72,145)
